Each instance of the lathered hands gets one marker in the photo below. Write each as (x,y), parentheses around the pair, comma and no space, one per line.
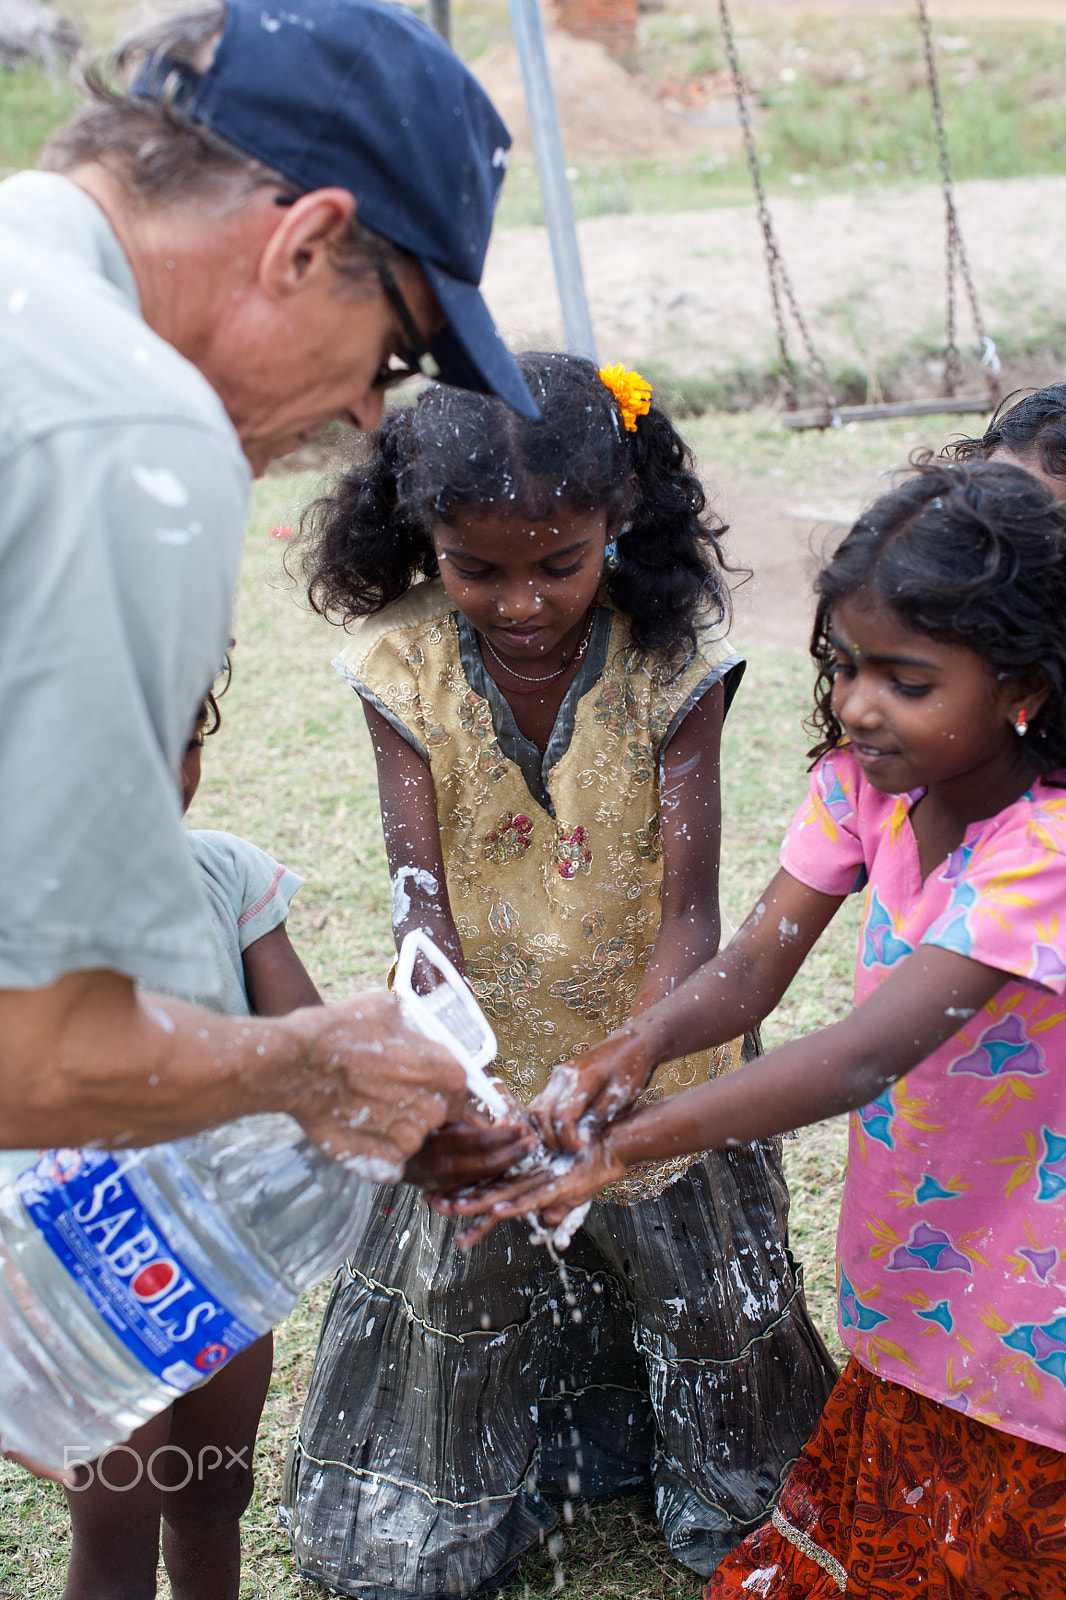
(365,1086)
(472,1150)
(582,1096)
(551,1191)
(573,1157)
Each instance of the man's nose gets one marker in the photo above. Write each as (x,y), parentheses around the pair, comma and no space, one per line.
(368,413)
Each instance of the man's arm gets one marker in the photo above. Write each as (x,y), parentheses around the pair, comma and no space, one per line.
(90,1060)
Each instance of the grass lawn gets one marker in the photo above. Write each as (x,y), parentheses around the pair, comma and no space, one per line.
(840,102)
(292,770)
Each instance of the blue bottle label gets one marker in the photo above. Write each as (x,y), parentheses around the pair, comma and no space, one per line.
(97,1227)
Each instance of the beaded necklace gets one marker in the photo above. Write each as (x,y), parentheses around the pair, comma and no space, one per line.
(571,661)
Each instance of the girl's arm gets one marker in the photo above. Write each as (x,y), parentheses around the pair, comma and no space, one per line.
(275,978)
(690,812)
(474,1148)
(727,996)
(412,839)
(922,1002)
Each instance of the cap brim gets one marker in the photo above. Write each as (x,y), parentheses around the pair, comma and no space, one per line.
(469,350)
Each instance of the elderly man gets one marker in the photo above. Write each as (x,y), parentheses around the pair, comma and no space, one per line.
(267,218)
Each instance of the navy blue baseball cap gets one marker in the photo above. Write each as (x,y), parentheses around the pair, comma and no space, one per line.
(362,95)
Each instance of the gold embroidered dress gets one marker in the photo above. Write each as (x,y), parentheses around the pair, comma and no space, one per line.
(457,1396)
(556,893)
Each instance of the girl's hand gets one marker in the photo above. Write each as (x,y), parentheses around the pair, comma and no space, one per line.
(583,1096)
(551,1195)
(473,1150)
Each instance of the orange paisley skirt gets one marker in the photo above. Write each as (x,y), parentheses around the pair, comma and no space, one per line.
(896,1497)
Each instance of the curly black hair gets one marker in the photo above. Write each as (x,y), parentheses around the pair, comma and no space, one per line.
(367,543)
(970,553)
(208,719)
(1029,424)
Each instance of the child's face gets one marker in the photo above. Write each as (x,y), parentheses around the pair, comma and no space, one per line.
(526,586)
(1031,464)
(920,713)
(189,773)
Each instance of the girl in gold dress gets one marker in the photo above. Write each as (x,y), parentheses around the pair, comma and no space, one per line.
(536,630)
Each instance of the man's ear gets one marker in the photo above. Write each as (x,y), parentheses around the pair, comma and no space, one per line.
(303,244)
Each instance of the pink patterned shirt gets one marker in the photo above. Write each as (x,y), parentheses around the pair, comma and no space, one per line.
(952,1242)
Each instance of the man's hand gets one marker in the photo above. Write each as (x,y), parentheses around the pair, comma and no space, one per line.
(91,1060)
(368,1089)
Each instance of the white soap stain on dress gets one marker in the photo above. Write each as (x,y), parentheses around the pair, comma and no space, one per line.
(179,536)
(161,483)
(759,1581)
(17,301)
(401,900)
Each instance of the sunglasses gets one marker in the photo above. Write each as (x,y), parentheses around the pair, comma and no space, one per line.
(413,359)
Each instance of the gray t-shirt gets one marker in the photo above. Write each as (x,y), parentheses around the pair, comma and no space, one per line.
(248,895)
(122,503)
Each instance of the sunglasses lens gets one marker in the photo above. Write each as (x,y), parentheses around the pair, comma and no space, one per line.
(397,369)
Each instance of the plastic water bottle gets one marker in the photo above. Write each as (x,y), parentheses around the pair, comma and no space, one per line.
(450,1014)
(128,1278)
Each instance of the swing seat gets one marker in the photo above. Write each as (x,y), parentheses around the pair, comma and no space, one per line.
(945,405)
(783,295)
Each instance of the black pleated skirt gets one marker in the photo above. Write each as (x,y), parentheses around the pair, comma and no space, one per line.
(457,1399)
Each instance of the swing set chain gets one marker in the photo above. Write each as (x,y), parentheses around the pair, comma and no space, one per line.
(957,259)
(781,288)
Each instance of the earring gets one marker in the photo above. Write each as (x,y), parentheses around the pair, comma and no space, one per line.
(1021,724)
(611,558)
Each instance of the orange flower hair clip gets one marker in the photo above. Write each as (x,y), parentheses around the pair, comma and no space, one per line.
(632,392)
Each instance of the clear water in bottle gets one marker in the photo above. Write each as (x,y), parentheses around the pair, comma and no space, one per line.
(127,1278)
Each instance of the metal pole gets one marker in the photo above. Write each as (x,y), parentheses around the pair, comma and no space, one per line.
(528,31)
(438,15)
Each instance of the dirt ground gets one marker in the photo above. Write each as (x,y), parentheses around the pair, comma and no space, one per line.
(689,289)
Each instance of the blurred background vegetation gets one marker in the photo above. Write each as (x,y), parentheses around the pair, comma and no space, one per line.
(841,100)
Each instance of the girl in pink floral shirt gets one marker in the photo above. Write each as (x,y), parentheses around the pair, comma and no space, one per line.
(937,1469)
